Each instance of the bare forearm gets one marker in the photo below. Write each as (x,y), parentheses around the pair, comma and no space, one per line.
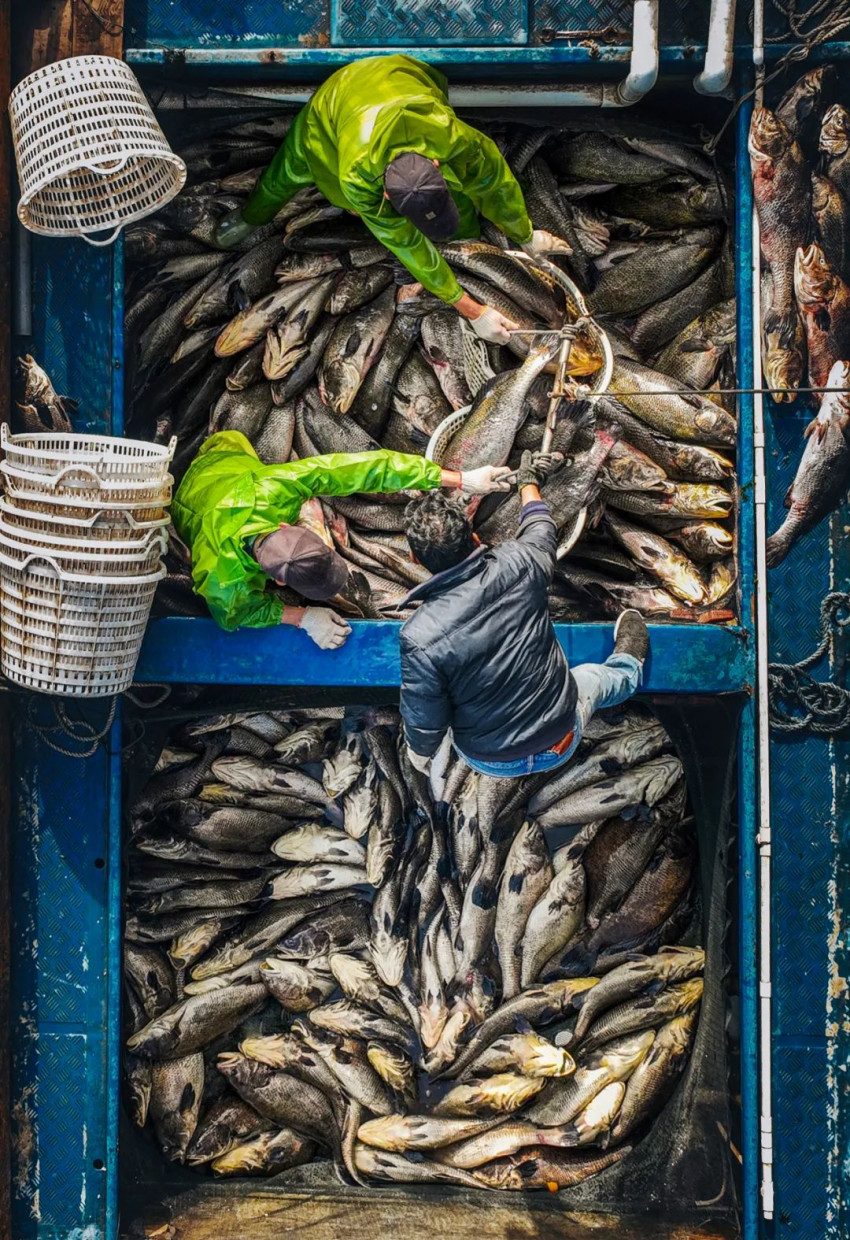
(469,307)
(529,493)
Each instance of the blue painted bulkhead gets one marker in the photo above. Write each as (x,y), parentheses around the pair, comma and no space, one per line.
(66,834)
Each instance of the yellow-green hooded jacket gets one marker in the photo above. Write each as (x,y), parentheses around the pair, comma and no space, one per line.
(228,497)
(357,122)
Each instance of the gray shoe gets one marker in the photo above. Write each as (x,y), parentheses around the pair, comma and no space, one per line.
(631,635)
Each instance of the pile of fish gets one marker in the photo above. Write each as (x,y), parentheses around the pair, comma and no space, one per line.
(800,156)
(309,341)
(448,978)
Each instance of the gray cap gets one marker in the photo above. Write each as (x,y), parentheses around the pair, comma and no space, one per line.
(417,189)
(293,556)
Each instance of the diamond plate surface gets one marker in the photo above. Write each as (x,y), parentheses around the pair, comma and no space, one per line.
(72,334)
(801,772)
(801,1141)
(408,23)
(58,990)
(681,23)
(226,23)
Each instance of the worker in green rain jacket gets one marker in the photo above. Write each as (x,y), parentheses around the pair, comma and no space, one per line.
(379,138)
(238,518)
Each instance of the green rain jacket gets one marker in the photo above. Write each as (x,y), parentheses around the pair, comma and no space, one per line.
(357,122)
(228,497)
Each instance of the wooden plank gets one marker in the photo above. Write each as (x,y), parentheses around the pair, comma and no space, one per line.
(49,30)
(254,1213)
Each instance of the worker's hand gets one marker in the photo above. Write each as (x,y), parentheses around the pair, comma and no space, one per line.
(541,464)
(542,242)
(422,764)
(485,480)
(492,326)
(231,229)
(328,630)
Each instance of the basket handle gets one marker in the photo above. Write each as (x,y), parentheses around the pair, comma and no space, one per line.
(48,559)
(52,480)
(107,241)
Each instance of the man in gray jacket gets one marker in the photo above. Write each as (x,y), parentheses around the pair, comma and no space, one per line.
(480,655)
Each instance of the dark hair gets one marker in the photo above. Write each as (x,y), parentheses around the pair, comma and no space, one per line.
(438,531)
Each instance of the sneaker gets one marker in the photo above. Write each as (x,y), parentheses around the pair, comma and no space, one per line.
(631,635)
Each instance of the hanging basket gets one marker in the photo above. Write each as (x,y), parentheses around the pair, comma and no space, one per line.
(90,153)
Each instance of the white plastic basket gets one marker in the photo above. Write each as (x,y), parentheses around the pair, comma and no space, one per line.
(111,459)
(87,556)
(96,527)
(90,153)
(82,482)
(76,636)
(114,512)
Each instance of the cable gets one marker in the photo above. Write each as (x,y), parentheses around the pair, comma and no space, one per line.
(798,702)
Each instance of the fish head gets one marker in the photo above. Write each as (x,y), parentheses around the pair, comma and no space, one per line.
(823,193)
(540,1057)
(392,1132)
(783,369)
(714,421)
(769,138)
(600,1112)
(274,1050)
(678,962)
(624,1055)
(241,1070)
(815,281)
(241,1160)
(188,946)
(161,1032)
(37,385)
(691,992)
(218,982)
(835,131)
(167,847)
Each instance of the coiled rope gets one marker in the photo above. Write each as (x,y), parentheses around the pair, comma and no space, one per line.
(798,702)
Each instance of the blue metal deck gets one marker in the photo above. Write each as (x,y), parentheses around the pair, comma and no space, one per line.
(66,859)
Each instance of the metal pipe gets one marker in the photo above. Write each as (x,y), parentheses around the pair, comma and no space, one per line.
(748,863)
(643,70)
(762,656)
(21,280)
(720,50)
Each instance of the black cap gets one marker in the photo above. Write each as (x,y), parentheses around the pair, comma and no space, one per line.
(417,189)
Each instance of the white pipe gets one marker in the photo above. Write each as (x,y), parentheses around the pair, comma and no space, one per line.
(762,655)
(720,50)
(643,70)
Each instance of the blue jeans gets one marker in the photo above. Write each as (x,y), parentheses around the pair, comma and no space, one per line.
(599,685)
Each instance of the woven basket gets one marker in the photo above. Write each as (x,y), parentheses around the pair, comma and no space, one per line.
(76,636)
(90,153)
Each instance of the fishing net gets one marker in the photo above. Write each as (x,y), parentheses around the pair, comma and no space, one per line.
(682,1169)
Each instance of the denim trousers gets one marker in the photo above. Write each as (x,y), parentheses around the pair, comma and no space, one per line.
(599,685)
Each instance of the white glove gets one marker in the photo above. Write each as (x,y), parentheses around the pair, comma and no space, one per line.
(543,242)
(231,229)
(486,479)
(327,629)
(491,325)
(416,760)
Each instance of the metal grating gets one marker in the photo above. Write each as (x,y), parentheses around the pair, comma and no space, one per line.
(802,1140)
(59,933)
(410,23)
(226,23)
(68,337)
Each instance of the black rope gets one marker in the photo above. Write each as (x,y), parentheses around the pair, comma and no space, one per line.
(798,702)
(108,26)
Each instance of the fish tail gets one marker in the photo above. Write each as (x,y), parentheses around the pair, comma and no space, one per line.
(566,1137)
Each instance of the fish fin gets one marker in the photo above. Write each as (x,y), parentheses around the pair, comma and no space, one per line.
(611,766)
(822,321)
(697,344)
(523,1025)
(528,1168)
(604,1140)
(352,344)
(414,1156)
(237,299)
